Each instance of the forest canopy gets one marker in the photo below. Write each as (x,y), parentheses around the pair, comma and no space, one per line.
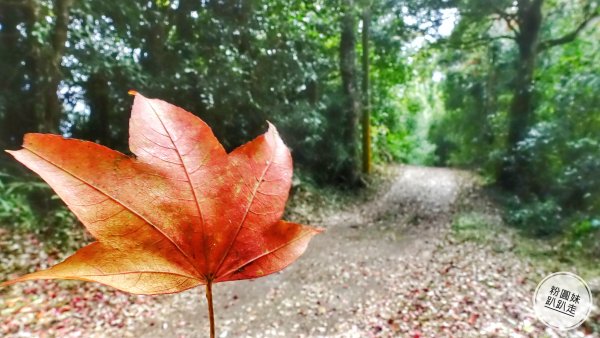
(507,88)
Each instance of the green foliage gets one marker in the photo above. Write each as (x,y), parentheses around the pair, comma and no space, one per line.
(584,238)
(473,226)
(472,130)
(237,64)
(15,209)
(561,147)
(537,217)
(30,206)
(405,104)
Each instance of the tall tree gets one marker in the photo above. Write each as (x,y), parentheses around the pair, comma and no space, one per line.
(366,104)
(35,39)
(18,72)
(528,19)
(97,94)
(350,93)
(523,20)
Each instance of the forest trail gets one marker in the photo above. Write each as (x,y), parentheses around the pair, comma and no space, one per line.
(389,267)
(393,265)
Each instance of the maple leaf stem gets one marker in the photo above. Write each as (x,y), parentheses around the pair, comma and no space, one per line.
(211,313)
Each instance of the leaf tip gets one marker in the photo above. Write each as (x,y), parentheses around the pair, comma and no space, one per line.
(272,127)
(318,230)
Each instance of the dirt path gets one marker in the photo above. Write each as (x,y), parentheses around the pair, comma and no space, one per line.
(382,269)
(389,267)
(339,273)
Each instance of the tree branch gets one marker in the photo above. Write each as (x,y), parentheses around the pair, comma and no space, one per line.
(508,18)
(567,37)
(476,42)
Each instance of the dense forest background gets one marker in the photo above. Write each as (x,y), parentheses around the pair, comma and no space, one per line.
(506,88)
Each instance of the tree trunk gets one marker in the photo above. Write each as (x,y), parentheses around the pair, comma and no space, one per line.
(521,109)
(366,105)
(183,22)
(155,59)
(350,104)
(18,82)
(51,113)
(97,94)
